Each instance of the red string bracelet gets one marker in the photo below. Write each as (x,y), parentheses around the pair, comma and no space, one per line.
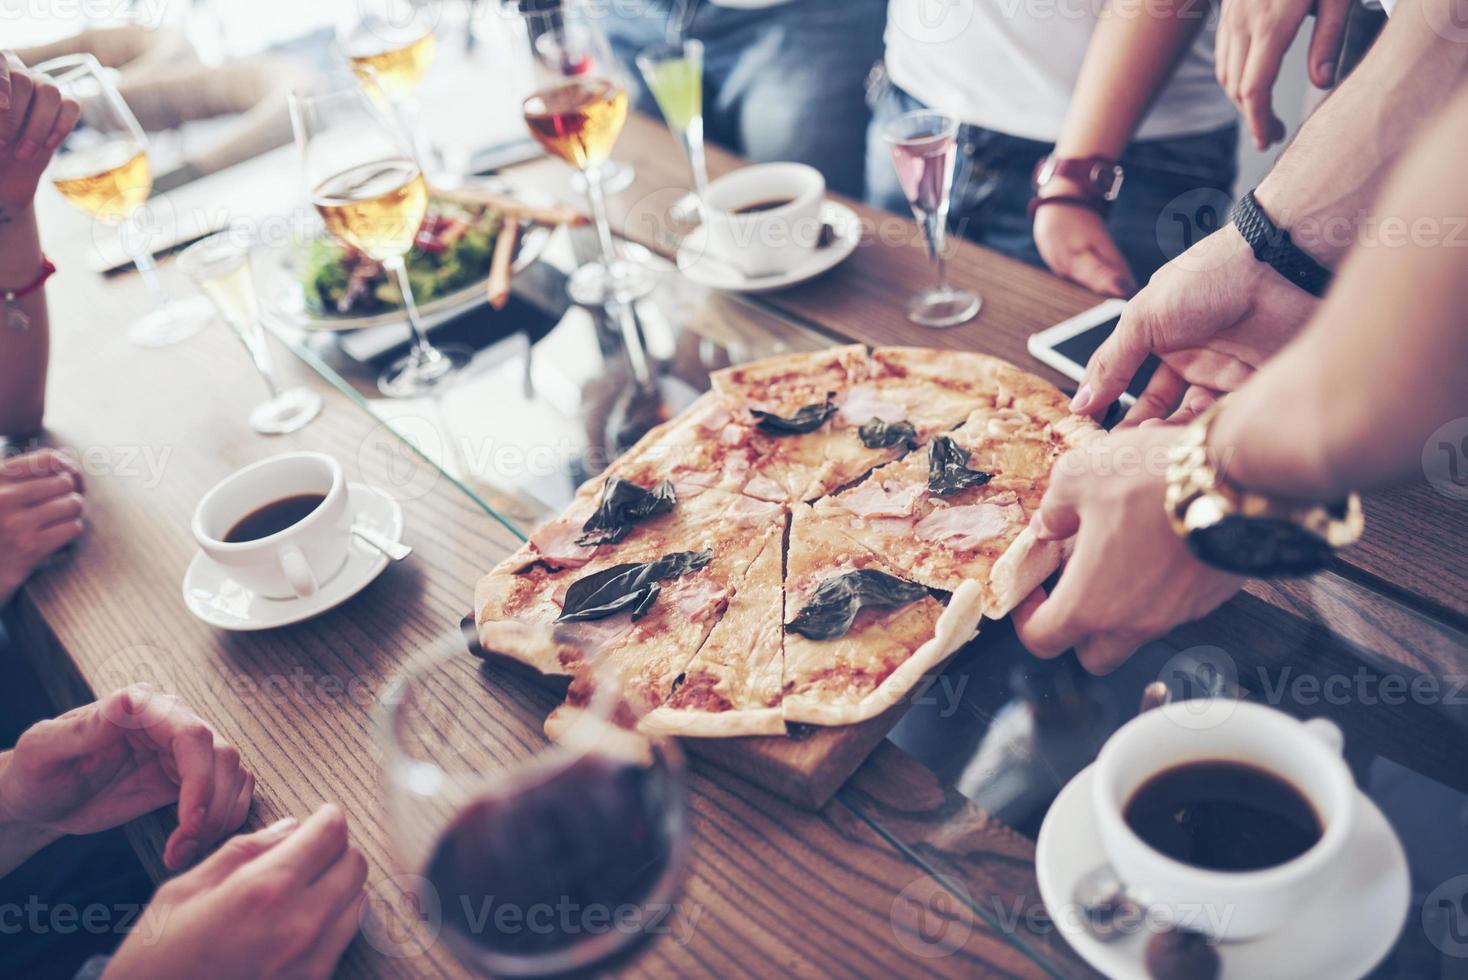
(47,271)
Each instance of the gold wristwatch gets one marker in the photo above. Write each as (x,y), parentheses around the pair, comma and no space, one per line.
(1245,532)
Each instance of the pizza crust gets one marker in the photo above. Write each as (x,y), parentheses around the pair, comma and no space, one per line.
(958,624)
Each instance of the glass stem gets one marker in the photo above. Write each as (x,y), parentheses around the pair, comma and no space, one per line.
(693,146)
(422,351)
(256,344)
(598,199)
(148,269)
(937,228)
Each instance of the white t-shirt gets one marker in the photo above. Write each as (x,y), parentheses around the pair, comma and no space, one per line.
(1011,65)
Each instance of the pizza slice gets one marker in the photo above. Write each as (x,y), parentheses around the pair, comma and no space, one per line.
(788,384)
(704,448)
(958,509)
(732,686)
(520,606)
(858,636)
(930,390)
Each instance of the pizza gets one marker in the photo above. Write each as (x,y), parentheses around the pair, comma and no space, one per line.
(805,543)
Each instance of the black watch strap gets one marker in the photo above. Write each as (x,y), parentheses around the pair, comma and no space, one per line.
(1272,246)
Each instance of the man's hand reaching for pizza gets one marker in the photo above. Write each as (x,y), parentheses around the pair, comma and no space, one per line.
(1130,577)
(1213,315)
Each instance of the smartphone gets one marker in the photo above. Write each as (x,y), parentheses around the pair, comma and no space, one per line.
(1068,345)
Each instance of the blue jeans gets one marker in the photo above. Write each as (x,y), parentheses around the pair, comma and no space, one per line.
(1175,189)
(780,83)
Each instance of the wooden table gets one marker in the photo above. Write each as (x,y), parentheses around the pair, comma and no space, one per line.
(860,887)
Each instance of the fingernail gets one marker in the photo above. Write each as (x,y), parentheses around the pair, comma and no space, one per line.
(1082,400)
(281,827)
(26,149)
(1327,71)
(187,849)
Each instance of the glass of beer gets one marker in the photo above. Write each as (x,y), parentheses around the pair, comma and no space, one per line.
(220,266)
(366,183)
(389,45)
(577,111)
(102,168)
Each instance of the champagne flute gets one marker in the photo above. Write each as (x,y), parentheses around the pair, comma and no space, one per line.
(390,45)
(593,823)
(924,146)
(103,169)
(577,116)
(220,267)
(674,74)
(367,185)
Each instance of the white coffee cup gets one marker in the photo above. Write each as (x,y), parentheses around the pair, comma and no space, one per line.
(1224,904)
(293,562)
(769,241)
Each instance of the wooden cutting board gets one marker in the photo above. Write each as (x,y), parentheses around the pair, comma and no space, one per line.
(805,766)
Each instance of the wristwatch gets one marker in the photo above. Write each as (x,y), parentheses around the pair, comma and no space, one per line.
(1244,532)
(1273,247)
(1099,179)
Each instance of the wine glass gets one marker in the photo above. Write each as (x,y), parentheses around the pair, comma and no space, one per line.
(674,74)
(366,183)
(390,45)
(220,267)
(577,111)
(103,168)
(543,838)
(924,145)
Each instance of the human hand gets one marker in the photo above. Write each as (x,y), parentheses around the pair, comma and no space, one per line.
(34,119)
(135,750)
(1074,243)
(281,902)
(1252,38)
(40,511)
(1130,578)
(1213,315)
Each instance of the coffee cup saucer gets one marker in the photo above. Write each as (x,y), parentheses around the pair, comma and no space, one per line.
(213,596)
(1343,933)
(697,264)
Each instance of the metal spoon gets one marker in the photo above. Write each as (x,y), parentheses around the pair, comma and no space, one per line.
(395,550)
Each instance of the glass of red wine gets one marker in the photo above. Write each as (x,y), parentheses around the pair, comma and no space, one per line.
(924,147)
(542,857)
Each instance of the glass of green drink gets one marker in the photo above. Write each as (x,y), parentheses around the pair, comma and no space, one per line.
(674,75)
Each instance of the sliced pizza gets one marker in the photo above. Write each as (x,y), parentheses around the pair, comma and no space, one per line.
(733,685)
(520,607)
(958,509)
(858,636)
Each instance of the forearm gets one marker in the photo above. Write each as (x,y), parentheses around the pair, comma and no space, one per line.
(23,353)
(1131,55)
(1352,402)
(1326,180)
(18,841)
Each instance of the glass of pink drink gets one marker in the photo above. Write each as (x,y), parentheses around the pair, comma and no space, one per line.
(924,146)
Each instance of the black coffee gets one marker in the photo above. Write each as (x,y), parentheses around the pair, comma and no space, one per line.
(275,516)
(1223,816)
(770,205)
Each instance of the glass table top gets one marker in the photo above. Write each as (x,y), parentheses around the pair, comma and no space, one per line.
(556,391)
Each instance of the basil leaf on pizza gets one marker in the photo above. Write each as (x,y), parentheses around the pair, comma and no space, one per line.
(877,434)
(632,586)
(834,604)
(948,469)
(624,504)
(807,419)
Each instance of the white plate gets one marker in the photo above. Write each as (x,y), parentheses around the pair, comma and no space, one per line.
(218,600)
(1342,934)
(711,272)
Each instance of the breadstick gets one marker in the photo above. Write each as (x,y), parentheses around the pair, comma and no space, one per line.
(498,286)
